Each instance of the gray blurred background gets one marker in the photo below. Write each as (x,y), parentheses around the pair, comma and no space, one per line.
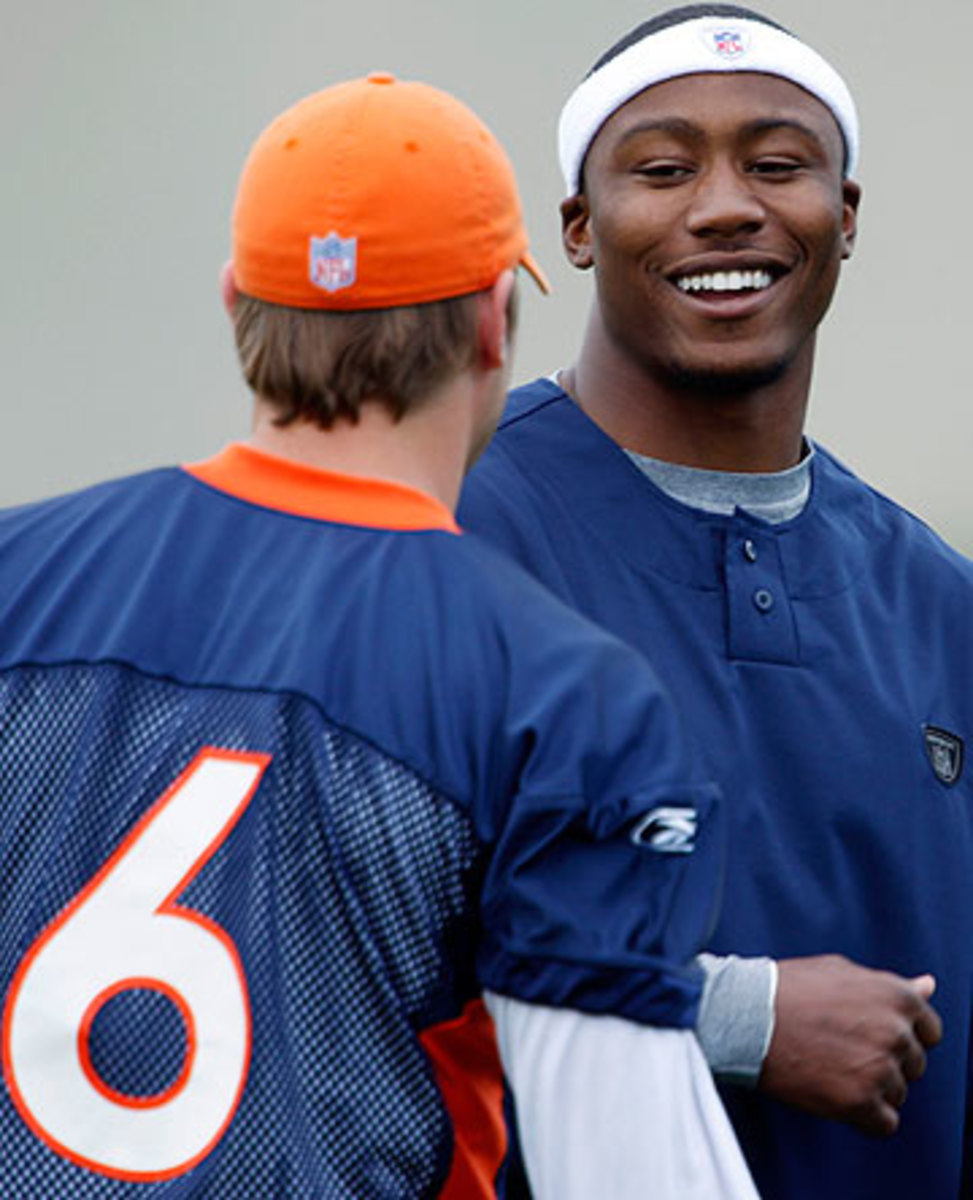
(125,124)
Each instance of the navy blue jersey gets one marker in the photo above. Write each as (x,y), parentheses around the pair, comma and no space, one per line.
(822,669)
(289,771)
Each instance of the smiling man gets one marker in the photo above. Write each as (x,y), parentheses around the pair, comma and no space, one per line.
(816,637)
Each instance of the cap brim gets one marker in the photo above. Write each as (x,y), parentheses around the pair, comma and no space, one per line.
(533,267)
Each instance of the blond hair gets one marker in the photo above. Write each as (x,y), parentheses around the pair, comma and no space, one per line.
(316,365)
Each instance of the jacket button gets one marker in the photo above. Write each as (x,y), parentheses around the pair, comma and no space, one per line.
(763,600)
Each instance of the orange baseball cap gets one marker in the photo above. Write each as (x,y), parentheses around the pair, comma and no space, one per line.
(376,193)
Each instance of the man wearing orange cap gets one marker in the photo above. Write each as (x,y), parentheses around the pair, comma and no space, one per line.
(290,770)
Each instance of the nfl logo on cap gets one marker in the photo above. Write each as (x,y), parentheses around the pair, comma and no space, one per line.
(333,262)
(727,43)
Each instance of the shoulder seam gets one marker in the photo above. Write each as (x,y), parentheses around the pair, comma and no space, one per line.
(885,501)
(293,693)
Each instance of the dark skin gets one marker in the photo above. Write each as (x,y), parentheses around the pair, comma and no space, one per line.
(737,180)
(700,174)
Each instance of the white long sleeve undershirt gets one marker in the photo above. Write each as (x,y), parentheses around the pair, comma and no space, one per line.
(610,1108)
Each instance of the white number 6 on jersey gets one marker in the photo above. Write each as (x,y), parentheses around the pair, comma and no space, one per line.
(125,930)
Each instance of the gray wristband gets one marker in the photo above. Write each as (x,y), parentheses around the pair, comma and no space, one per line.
(736,1015)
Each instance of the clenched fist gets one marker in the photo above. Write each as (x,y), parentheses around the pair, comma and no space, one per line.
(848,1040)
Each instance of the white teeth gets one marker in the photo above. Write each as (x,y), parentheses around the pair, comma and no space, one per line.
(726,281)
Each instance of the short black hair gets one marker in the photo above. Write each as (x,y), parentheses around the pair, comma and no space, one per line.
(676,16)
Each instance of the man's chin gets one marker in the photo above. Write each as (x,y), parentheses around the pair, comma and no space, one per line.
(726,379)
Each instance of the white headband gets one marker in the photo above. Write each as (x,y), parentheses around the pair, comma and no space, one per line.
(697,47)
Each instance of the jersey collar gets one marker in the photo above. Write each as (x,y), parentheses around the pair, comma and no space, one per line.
(272,481)
(558,447)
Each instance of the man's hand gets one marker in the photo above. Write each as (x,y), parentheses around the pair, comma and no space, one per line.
(848,1040)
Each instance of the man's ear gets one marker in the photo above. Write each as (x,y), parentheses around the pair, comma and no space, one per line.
(228,289)
(576,231)
(492,332)
(851,198)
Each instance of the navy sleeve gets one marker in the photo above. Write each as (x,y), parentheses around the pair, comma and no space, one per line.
(605,875)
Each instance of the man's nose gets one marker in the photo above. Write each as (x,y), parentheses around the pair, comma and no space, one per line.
(724,203)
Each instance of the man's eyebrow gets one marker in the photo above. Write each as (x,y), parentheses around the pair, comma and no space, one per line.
(771,124)
(678,126)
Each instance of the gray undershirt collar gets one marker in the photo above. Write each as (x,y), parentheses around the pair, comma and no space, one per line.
(776,497)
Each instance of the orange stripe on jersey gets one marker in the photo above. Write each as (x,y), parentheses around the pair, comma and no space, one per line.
(467,1067)
(295,487)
